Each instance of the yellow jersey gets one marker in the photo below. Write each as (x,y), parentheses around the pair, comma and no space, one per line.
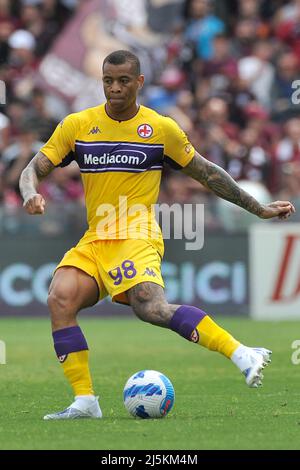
(120,164)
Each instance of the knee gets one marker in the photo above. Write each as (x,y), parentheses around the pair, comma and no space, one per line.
(61,300)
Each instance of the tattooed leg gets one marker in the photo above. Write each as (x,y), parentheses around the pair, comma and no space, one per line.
(149,304)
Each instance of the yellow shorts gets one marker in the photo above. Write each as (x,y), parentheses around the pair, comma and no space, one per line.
(118,265)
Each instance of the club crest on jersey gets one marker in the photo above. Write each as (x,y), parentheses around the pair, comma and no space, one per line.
(145,131)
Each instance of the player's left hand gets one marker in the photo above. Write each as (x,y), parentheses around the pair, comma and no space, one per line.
(280,209)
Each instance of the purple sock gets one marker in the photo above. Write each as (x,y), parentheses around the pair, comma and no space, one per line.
(68,340)
(185,320)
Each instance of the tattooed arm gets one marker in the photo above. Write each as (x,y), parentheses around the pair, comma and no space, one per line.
(37,169)
(219,182)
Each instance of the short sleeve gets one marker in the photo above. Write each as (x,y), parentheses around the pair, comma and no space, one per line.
(178,151)
(62,142)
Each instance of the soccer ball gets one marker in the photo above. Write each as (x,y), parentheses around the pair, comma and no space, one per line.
(149,394)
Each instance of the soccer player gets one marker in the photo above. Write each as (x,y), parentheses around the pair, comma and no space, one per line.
(120,148)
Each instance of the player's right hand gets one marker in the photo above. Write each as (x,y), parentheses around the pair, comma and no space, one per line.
(35,204)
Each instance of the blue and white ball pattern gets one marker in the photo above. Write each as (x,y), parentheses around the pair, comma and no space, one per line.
(149,394)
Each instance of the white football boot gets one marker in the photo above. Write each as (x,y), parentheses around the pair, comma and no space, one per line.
(84,406)
(251,362)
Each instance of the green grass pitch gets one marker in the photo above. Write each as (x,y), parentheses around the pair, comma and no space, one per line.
(213,408)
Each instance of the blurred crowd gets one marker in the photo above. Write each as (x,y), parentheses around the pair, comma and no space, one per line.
(227,71)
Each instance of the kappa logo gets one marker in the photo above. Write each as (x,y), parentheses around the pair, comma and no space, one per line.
(145,131)
(94,130)
(149,272)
